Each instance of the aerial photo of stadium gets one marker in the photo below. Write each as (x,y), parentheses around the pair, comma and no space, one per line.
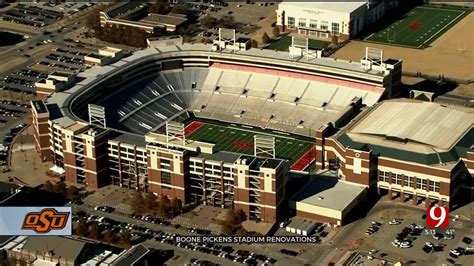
(158,119)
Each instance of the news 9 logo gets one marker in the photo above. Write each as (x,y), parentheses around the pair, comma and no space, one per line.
(437,217)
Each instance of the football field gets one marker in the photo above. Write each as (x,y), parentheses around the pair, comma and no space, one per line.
(419,27)
(240,140)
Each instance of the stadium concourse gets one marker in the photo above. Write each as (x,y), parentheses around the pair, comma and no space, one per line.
(222,128)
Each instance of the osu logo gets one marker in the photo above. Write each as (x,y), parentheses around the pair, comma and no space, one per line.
(437,217)
(46,220)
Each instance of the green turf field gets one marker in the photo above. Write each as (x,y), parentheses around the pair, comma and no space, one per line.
(285,41)
(240,140)
(419,27)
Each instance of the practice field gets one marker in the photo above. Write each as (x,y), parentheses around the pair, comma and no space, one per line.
(300,153)
(419,27)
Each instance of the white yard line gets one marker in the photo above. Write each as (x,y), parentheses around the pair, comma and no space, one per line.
(366,38)
(451,22)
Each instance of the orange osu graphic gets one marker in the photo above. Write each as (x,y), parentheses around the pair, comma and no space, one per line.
(44,221)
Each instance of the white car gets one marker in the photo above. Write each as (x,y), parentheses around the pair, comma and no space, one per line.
(455,252)
(394,222)
(395,244)
(429,244)
(373,251)
(448,236)
(405,245)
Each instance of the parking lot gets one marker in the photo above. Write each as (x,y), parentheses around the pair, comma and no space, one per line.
(42,14)
(154,231)
(388,238)
(65,59)
(21,81)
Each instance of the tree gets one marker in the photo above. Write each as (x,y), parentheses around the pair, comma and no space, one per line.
(60,187)
(110,237)
(208,22)
(93,20)
(265,38)
(73,193)
(48,186)
(254,43)
(179,9)
(240,231)
(81,228)
(137,203)
(159,8)
(94,232)
(124,239)
(164,205)
(150,202)
(176,206)
(276,31)
(227,229)
(239,216)
(230,217)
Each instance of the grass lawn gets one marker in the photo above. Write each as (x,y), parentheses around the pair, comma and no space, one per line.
(240,140)
(285,41)
(419,27)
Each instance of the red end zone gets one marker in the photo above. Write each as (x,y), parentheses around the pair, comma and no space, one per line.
(191,127)
(305,160)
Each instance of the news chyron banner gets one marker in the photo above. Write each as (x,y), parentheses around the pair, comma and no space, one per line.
(33,221)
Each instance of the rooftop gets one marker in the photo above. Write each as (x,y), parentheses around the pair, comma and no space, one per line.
(228,157)
(39,106)
(97,56)
(328,192)
(61,74)
(410,130)
(64,247)
(122,9)
(131,256)
(130,138)
(336,6)
(171,19)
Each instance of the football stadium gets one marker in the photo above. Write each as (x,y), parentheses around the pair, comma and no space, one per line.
(219,127)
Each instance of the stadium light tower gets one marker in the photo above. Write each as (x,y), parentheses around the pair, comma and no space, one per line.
(227,36)
(373,57)
(97,115)
(264,146)
(175,131)
(300,47)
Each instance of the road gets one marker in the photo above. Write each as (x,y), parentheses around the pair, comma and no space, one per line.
(265,249)
(69,23)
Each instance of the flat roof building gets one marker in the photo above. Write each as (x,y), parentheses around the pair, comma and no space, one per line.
(157,42)
(135,15)
(327,199)
(407,148)
(327,19)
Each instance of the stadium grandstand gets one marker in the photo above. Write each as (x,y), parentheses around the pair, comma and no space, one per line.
(217,127)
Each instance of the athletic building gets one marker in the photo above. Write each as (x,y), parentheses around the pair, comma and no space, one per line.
(414,150)
(127,123)
(326,19)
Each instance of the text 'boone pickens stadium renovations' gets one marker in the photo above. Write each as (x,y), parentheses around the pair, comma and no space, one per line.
(227,127)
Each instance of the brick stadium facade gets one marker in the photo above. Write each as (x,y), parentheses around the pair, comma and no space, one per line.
(96,156)
(444,184)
